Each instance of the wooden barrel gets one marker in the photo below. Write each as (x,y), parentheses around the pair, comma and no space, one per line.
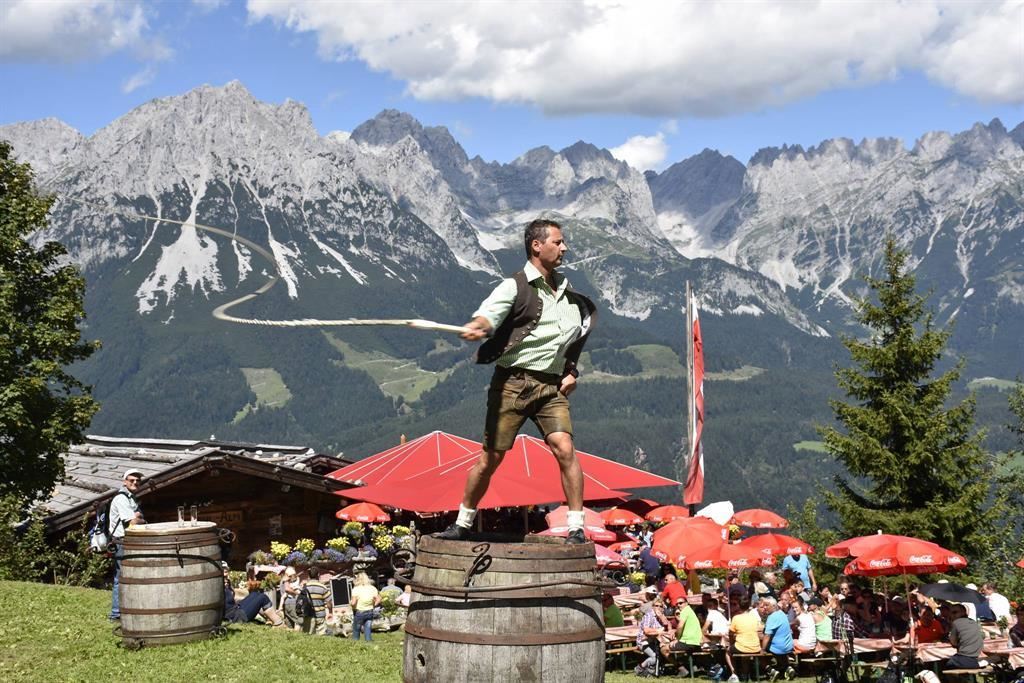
(172,585)
(493,611)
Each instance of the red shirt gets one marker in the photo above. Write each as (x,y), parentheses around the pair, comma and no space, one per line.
(929,634)
(673,591)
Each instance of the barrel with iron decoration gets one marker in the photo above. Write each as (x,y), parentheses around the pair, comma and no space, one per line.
(172,586)
(492,611)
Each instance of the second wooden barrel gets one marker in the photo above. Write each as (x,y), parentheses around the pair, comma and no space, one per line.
(493,611)
(172,586)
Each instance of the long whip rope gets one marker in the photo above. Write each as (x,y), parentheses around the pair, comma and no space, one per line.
(221,312)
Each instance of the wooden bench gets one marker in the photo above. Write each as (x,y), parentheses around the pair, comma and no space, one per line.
(986,673)
(674,658)
(622,650)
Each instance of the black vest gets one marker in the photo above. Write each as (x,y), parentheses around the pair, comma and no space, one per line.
(523,318)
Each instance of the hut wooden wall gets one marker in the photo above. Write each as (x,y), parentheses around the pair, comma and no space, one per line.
(257,509)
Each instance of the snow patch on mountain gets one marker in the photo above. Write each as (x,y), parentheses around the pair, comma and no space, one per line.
(337,256)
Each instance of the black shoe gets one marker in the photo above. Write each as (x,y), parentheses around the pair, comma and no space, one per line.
(575,537)
(453,533)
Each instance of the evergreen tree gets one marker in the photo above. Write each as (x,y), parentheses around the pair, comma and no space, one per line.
(42,407)
(916,467)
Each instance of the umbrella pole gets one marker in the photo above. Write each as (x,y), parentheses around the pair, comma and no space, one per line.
(526,520)
(910,613)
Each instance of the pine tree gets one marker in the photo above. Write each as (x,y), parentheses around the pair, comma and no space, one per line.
(43,408)
(915,465)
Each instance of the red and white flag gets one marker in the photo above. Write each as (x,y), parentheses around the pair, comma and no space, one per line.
(693,491)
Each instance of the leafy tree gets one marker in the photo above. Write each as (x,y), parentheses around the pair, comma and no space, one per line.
(43,408)
(915,466)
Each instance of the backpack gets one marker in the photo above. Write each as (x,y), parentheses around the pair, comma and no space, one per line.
(304,604)
(99,534)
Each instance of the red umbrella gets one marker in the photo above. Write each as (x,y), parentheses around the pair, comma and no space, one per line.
(408,459)
(726,556)
(759,519)
(667,513)
(777,544)
(910,556)
(640,506)
(674,541)
(863,544)
(363,512)
(558,517)
(620,517)
(606,556)
(592,532)
(530,452)
(1021,564)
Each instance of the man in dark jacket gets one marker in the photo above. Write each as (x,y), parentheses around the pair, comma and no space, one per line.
(537,327)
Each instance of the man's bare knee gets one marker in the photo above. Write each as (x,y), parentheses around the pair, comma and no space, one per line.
(561,446)
(489,461)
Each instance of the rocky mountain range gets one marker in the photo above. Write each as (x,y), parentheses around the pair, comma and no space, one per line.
(396,220)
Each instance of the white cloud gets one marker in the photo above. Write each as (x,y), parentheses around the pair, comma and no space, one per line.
(72,30)
(642,152)
(663,58)
(137,80)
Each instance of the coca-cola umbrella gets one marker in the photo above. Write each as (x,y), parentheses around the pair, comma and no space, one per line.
(363,512)
(758,518)
(667,513)
(777,544)
(559,517)
(900,555)
(674,541)
(722,555)
(606,557)
(859,545)
(620,517)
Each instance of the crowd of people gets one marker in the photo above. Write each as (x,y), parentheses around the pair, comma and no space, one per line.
(775,614)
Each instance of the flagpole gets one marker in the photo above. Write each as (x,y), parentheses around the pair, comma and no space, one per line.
(690,427)
(692,579)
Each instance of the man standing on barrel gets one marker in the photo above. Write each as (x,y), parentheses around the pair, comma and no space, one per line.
(537,328)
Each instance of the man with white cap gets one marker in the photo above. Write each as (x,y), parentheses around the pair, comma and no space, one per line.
(124,512)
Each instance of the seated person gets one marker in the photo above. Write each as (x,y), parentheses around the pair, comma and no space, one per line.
(806,628)
(674,590)
(928,629)
(612,613)
(688,637)
(822,625)
(647,632)
(391,588)
(256,602)
(716,626)
(967,637)
(744,638)
(1017,632)
(777,639)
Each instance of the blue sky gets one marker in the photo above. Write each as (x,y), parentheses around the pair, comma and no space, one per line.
(655,82)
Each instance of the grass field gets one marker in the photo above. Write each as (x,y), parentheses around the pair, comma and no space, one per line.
(991,383)
(394,376)
(269,387)
(57,633)
(661,361)
(813,446)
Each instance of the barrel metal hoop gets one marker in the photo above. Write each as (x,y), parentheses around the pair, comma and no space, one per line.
(534,551)
(170,562)
(212,630)
(507,565)
(210,542)
(596,632)
(521,592)
(168,580)
(172,610)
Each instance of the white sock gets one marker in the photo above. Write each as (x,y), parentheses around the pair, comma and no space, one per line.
(465,518)
(574,518)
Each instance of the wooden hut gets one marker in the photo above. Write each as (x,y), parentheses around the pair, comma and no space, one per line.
(260,492)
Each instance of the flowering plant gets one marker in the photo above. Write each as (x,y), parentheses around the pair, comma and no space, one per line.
(317,556)
(638,578)
(338,543)
(354,529)
(399,531)
(279,550)
(261,557)
(305,545)
(295,557)
(383,542)
(332,555)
